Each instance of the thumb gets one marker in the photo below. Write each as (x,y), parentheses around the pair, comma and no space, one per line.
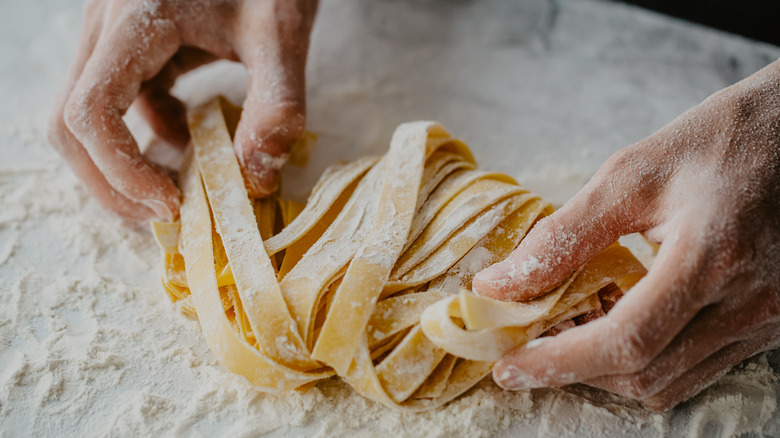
(559,244)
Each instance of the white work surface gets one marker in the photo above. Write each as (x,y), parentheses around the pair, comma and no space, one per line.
(542,90)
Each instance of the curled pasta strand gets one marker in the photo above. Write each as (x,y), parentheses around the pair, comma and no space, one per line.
(370,279)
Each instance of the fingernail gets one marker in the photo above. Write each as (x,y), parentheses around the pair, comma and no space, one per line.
(160,209)
(493,274)
(512,378)
(534,343)
(509,376)
(260,186)
(262,171)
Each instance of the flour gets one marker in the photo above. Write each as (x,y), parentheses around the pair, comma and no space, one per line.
(96,347)
(90,345)
(736,403)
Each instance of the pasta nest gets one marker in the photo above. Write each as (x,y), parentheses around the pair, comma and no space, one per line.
(370,279)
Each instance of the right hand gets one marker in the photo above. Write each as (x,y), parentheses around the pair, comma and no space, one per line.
(706,187)
(133,50)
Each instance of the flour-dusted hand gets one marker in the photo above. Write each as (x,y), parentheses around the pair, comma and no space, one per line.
(133,50)
(707,187)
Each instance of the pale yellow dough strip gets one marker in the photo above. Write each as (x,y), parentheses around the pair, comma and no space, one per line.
(495,327)
(371,270)
(333,182)
(252,270)
(231,351)
(355,299)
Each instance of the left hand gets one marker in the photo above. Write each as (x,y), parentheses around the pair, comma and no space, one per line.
(706,187)
(132,51)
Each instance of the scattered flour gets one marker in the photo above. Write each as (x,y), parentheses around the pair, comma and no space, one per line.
(737,403)
(90,345)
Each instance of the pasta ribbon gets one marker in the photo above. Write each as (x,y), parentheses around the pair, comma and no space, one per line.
(370,279)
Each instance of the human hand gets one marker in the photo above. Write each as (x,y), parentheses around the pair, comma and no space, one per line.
(133,50)
(707,188)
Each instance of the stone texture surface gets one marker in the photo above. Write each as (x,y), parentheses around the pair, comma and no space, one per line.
(544,90)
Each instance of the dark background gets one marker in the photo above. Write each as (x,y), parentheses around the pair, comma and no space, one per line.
(756,19)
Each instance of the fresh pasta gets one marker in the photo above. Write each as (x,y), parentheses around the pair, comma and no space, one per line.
(370,279)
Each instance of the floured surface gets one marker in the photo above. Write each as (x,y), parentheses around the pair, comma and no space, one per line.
(88,341)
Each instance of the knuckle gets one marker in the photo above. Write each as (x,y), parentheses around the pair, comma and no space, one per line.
(744,102)
(84,105)
(751,103)
(626,184)
(78,109)
(620,166)
(73,114)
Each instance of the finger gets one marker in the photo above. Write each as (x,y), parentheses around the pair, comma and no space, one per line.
(67,145)
(713,368)
(606,208)
(626,340)
(711,329)
(166,114)
(274,113)
(108,85)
